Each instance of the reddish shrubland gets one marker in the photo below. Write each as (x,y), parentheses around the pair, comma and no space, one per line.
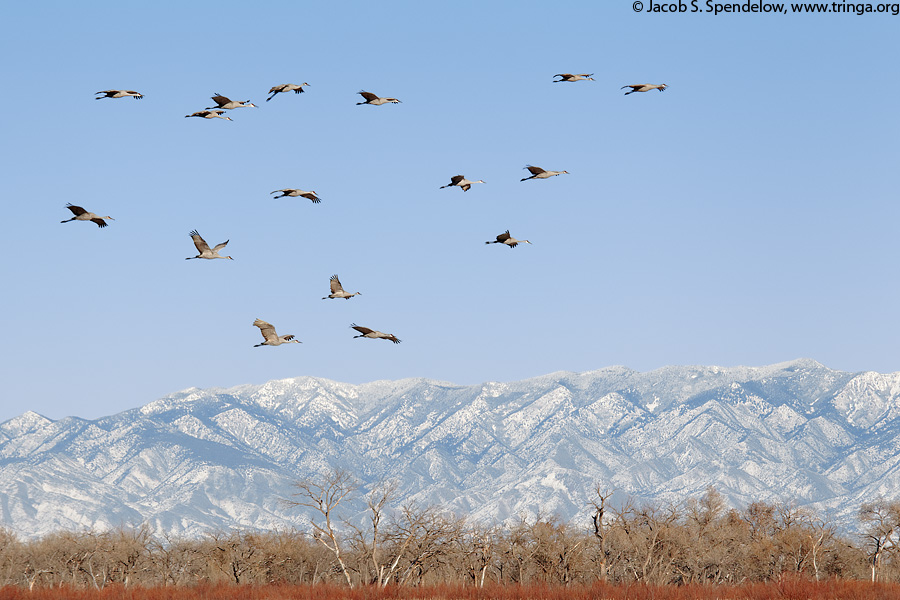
(786,589)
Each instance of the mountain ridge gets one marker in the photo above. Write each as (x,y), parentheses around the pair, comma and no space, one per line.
(196,459)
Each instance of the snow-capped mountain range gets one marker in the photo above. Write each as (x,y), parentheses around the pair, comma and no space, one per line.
(200,460)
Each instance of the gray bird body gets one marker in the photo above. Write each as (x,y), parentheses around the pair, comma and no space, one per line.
(461,182)
(284,88)
(119,94)
(209,114)
(271,338)
(337,290)
(204,249)
(573,77)
(539,173)
(508,240)
(644,87)
(83,215)
(295,193)
(375,100)
(373,335)
(228,104)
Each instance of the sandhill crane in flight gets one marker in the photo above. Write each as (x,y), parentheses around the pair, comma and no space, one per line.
(372,334)
(460,181)
(505,238)
(204,249)
(539,173)
(223,102)
(209,114)
(337,290)
(292,193)
(573,77)
(119,94)
(271,338)
(83,215)
(297,88)
(375,100)
(644,87)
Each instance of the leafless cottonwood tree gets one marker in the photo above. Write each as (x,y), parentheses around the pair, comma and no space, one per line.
(324,496)
(423,538)
(647,533)
(599,503)
(882,518)
(384,545)
(476,549)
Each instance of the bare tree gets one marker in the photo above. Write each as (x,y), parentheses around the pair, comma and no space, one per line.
(423,538)
(598,515)
(369,543)
(883,520)
(324,497)
(476,548)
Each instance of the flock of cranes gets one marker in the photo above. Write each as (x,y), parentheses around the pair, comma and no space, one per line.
(223,103)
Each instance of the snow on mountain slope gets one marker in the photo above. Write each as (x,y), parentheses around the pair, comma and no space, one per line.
(222,458)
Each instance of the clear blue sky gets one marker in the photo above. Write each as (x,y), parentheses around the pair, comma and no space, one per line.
(748,215)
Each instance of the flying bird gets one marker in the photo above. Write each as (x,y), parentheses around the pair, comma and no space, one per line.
(644,87)
(297,88)
(119,94)
(375,100)
(460,181)
(539,173)
(271,338)
(575,77)
(292,193)
(505,238)
(83,215)
(204,249)
(223,102)
(337,290)
(209,114)
(372,334)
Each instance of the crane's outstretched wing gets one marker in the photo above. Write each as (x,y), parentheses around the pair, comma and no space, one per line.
(368,95)
(362,330)
(76,210)
(267,330)
(201,244)
(336,285)
(218,247)
(535,170)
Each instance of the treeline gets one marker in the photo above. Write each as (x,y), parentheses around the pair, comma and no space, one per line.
(700,542)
